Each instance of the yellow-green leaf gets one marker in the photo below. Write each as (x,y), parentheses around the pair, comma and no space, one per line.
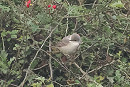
(50,85)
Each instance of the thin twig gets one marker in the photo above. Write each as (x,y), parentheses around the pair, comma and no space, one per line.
(50,65)
(40,67)
(79,68)
(75,24)
(3,43)
(87,77)
(9,84)
(76,16)
(67,27)
(108,50)
(98,68)
(65,85)
(126,28)
(79,2)
(85,50)
(67,2)
(89,67)
(94,3)
(57,61)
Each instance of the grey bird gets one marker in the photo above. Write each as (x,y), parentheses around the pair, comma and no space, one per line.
(69,44)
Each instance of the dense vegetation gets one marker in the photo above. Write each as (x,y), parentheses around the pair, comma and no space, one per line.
(27,33)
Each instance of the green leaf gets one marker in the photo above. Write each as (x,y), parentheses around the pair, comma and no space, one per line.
(77,81)
(99,78)
(16,20)
(114,17)
(34,27)
(8,39)
(75,10)
(14,31)
(119,53)
(91,85)
(50,85)
(11,60)
(3,67)
(42,79)
(4,8)
(3,54)
(118,4)
(58,1)
(111,79)
(13,36)
(118,73)
(116,85)
(38,84)
(10,81)
(34,64)
(43,18)
(124,60)
(3,34)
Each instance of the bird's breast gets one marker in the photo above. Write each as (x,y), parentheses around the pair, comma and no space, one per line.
(70,48)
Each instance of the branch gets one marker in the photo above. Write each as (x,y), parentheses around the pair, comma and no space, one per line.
(99,68)
(22,83)
(51,71)
(9,84)
(87,77)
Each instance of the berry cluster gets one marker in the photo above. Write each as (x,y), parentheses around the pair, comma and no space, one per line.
(27,3)
(54,6)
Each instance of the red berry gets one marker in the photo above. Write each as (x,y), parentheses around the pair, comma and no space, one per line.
(49,6)
(28,3)
(54,6)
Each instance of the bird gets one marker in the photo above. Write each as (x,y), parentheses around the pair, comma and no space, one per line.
(69,44)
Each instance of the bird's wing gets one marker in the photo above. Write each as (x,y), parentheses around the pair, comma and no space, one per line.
(64,41)
(60,44)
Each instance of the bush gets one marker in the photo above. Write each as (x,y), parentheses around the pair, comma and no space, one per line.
(28,33)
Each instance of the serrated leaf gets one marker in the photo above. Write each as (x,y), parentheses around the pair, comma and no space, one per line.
(34,64)
(5,8)
(118,73)
(50,85)
(14,31)
(11,60)
(41,79)
(58,0)
(101,78)
(118,4)
(3,54)
(111,79)
(13,36)
(3,33)
(77,81)
(34,27)
(37,84)
(119,53)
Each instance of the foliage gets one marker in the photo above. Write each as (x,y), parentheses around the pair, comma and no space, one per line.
(26,35)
